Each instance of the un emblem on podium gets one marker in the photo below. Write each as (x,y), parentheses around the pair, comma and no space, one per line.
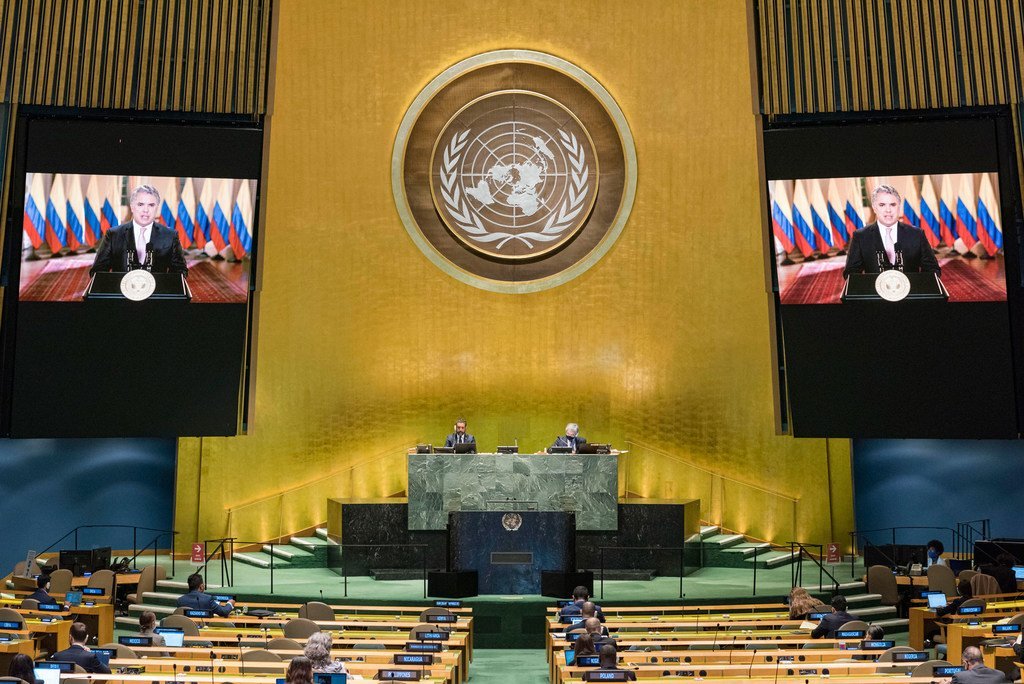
(511,522)
(514,171)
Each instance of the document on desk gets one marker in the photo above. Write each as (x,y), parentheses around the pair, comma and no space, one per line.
(807,624)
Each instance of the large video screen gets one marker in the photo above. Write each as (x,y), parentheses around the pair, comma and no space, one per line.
(129,272)
(949,224)
(892,248)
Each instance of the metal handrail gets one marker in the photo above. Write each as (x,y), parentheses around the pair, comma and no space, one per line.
(682,561)
(135,545)
(797,574)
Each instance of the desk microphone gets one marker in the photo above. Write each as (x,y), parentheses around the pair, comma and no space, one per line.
(321,595)
(752,663)
(715,639)
(241,656)
(732,647)
(174,669)
(213,655)
(777,661)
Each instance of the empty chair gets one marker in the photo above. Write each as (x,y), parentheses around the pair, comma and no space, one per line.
(260,655)
(121,651)
(11,615)
(881,581)
(855,625)
(283,644)
(147,583)
(966,575)
(103,579)
(1017,619)
(886,656)
(60,581)
(316,610)
(927,668)
(34,569)
(185,624)
(941,578)
(816,644)
(984,585)
(30,604)
(300,628)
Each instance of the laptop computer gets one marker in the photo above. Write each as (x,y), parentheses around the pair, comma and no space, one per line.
(173,638)
(570,656)
(329,678)
(104,655)
(74,598)
(46,675)
(1018,572)
(937,600)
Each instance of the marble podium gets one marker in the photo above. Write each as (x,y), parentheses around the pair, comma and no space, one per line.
(584,484)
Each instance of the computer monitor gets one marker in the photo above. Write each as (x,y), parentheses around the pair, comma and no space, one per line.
(465,448)
(570,656)
(100,559)
(78,561)
(46,675)
(444,450)
(329,678)
(1018,572)
(937,600)
(173,638)
(104,654)
(73,598)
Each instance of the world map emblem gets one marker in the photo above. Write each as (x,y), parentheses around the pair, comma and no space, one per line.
(514,171)
(514,175)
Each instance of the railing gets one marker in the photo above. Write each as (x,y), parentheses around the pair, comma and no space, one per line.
(968,532)
(961,540)
(797,572)
(423,560)
(294,508)
(672,549)
(717,492)
(135,541)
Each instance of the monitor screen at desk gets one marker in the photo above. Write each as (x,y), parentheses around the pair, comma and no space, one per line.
(1018,572)
(173,638)
(817,616)
(104,654)
(73,598)
(47,675)
(936,601)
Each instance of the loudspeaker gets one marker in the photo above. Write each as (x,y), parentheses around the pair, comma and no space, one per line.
(561,584)
(452,584)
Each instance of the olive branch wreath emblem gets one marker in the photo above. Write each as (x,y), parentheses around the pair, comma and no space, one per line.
(467,220)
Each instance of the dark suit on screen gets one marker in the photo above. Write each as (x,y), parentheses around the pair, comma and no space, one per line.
(454,439)
(866,244)
(831,623)
(117,252)
(979,674)
(200,600)
(88,660)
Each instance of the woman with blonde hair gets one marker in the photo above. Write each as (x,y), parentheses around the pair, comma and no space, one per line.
(318,650)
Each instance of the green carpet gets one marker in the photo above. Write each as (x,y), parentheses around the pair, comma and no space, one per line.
(509,666)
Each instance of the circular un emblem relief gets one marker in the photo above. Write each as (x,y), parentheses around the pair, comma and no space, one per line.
(511,521)
(514,171)
(514,175)
(892,285)
(138,285)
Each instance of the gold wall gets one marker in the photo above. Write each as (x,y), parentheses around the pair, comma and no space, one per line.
(364,347)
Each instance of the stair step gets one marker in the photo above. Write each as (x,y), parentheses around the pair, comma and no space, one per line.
(724,541)
(322,533)
(286,552)
(139,608)
(709,530)
(182,587)
(863,598)
(747,549)
(868,614)
(626,574)
(260,560)
(311,544)
(893,625)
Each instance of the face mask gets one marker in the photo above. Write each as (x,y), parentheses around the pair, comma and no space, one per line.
(933,554)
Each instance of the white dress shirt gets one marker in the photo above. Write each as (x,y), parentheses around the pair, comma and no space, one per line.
(889,242)
(142,236)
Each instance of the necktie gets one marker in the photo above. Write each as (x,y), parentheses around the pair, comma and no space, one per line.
(890,249)
(140,247)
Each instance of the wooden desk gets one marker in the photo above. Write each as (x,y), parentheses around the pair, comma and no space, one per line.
(9,649)
(98,619)
(438,671)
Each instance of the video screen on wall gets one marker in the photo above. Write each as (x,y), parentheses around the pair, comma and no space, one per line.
(891,245)
(825,229)
(134,259)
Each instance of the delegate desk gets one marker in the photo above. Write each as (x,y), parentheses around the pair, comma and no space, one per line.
(440,484)
(97,618)
(924,620)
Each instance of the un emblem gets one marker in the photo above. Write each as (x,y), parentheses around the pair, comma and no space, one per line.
(512,522)
(514,171)
(513,175)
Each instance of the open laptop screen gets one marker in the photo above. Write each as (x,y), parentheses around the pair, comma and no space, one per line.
(936,601)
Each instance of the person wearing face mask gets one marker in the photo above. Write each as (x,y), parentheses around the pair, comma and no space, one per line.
(888,242)
(935,551)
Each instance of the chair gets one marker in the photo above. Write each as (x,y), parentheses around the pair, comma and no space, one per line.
(855,624)
(121,651)
(984,585)
(816,644)
(414,633)
(60,581)
(283,644)
(316,610)
(940,578)
(181,622)
(103,579)
(147,583)
(300,628)
(881,581)
(11,615)
(30,604)
(886,656)
(19,569)
(260,655)
(926,669)
(1017,619)
(966,575)
(14,680)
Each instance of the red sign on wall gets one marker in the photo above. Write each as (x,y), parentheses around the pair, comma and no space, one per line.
(198,555)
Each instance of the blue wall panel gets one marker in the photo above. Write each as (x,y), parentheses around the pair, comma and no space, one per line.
(901,482)
(49,486)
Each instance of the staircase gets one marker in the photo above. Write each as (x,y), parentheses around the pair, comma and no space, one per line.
(735,551)
(300,552)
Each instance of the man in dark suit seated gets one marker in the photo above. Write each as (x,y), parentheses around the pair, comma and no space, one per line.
(888,243)
(460,436)
(198,599)
(580,596)
(975,671)
(142,242)
(79,654)
(571,438)
(588,610)
(42,588)
(597,632)
(834,620)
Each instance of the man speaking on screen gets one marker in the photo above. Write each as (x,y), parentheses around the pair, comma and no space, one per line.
(142,242)
(889,243)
